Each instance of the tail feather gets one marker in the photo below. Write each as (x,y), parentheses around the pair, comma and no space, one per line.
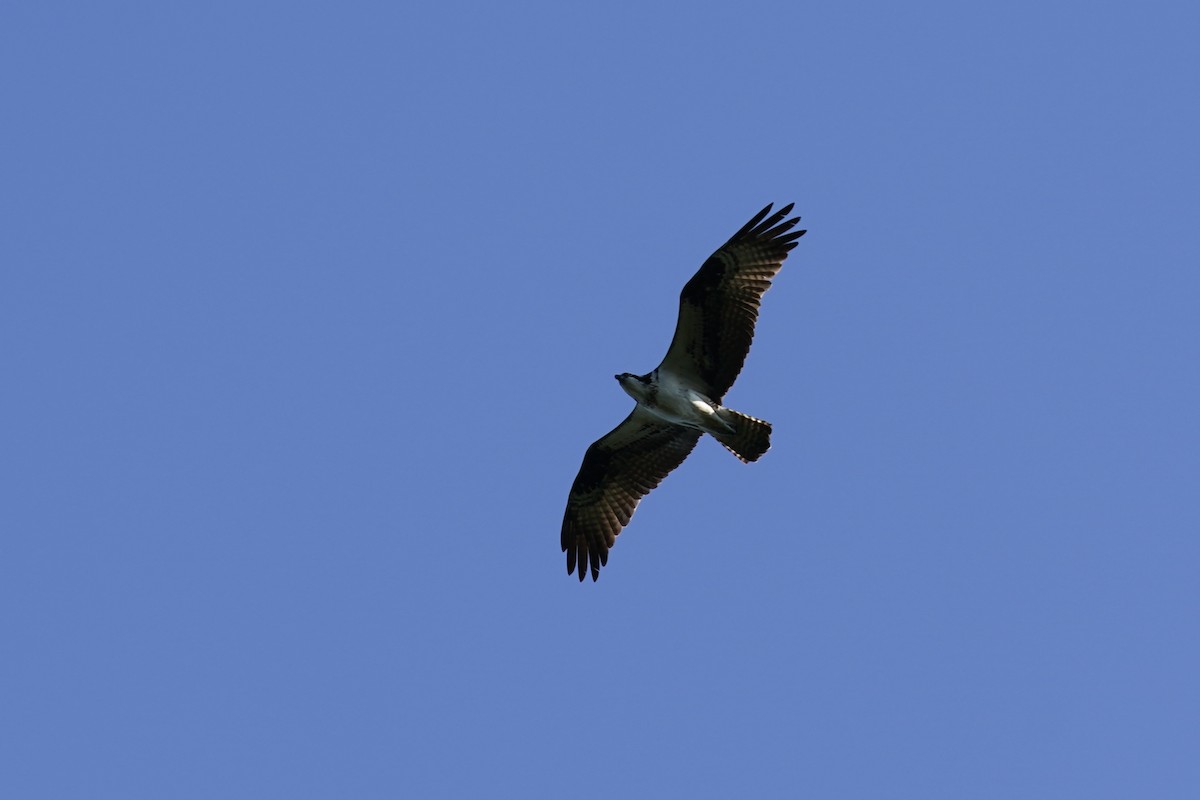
(750,439)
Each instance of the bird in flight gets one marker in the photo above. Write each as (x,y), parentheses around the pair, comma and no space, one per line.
(680,400)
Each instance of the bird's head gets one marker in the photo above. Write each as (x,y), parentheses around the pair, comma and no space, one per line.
(636,386)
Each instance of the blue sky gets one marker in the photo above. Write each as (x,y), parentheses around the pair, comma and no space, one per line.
(309,312)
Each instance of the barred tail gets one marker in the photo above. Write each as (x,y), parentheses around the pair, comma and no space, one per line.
(750,439)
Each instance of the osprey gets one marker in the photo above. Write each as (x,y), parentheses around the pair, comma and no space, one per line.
(680,400)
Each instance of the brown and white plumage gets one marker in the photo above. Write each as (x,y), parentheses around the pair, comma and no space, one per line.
(681,399)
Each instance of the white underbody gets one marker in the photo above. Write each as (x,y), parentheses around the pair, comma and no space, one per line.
(678,403)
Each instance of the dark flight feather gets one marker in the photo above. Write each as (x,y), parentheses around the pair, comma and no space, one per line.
(719,306)
(618,470)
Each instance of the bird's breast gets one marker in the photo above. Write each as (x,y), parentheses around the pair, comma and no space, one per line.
(679,404)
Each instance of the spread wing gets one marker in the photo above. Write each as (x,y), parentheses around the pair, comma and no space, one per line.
(719,305)
(618,471)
